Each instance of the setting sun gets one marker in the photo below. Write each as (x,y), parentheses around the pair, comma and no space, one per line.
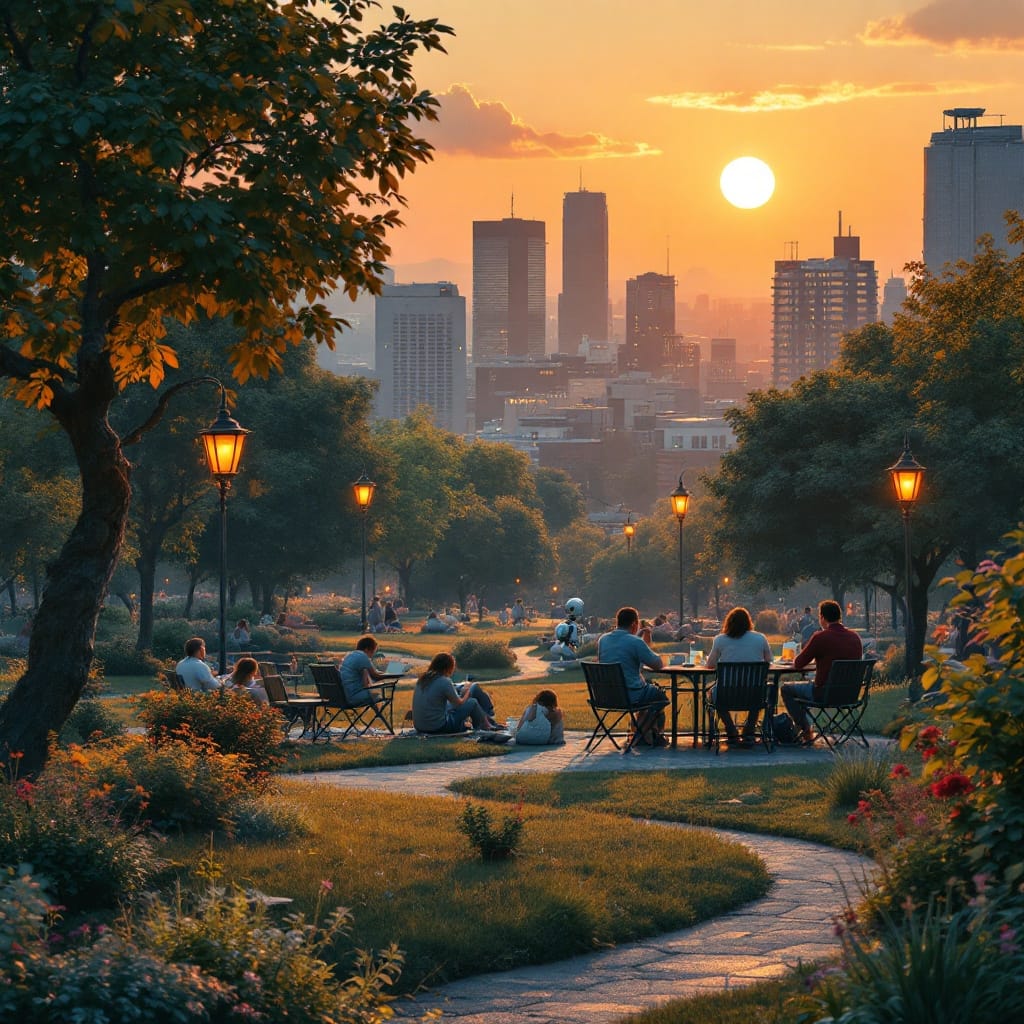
(747,182)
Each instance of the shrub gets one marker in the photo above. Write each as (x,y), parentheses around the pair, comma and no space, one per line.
(338,620)
(170,636)
(492,843)
(234,722)
(115,620)
(893,664)
(70,831)
(854,772)
(90,720)
(184,782)
(484,654)
(767,621)
(254,820)
(120,658)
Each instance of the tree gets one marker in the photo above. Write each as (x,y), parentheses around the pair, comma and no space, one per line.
(560,497)
(160,159)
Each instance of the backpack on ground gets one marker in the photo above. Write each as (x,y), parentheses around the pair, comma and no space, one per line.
(786,732)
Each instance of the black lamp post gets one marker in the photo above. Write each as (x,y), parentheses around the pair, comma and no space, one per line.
(680,503)
(223,443)
(907,475)
(629,529)
(363,489)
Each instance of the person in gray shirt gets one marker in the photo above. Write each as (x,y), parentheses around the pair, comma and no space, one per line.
(439,707)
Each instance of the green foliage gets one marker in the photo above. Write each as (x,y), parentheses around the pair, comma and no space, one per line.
(233,722)
(767,621)
(120,658)
(115,622)
(72,832)
(855,772)
(91,720)
(257,821)
(490,841)
(472,653)
(959,968)
(170,636)
(984,711)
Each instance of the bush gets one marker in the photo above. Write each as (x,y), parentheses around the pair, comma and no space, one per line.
(484,654)
(91,720)
(491,843)
(114,621)
(855,772)
(234,722)
(893,664)
(183,783)
(170,636)
(767,621)
(256,821)
(70,831)
(337,620)
(120,658)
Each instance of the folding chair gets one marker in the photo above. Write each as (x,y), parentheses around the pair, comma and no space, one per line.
(608,697)
(294,709)
(740,686)
(836,713)
(174,682)
(360,717)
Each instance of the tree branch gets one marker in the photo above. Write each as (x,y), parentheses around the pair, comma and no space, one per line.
(18,367)
(134,436)
(145,286)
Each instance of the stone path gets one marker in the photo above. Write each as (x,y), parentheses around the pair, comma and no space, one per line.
(792,923)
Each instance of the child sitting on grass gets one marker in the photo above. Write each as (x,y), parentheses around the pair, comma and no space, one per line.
(542,721)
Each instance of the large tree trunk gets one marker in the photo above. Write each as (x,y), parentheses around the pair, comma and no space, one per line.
(63,634)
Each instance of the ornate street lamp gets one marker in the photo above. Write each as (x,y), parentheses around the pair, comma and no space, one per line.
(629,529)
(223,444)
(907,475)
(680,498)
(363,489)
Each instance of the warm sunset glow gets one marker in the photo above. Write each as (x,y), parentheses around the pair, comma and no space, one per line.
(747,182)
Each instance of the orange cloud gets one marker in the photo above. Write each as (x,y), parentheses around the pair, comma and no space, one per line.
(490,129)
(800,97)
(976,25)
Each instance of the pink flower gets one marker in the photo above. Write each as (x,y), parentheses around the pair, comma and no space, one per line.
(326,885)
(899,771)
(1007,935)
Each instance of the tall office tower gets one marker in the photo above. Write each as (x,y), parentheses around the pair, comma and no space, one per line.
(815,302)
(650,322)
(420,336)
(894,294)
(508,288)
(972,176)
(583,302)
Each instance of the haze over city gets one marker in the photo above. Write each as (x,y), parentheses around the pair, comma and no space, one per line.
(648,102)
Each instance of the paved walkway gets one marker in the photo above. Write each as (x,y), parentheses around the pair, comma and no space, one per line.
(760,940)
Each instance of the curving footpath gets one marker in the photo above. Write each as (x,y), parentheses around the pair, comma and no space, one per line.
(761,940)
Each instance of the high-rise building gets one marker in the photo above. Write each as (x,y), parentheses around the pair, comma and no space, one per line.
(894,294)
(815,302)
(508,288)
(583,302)
(421,352)
(972,175)
(650,322)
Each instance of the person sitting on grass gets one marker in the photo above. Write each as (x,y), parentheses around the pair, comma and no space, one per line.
(243,680)
(541,722)
(435,624)
(439,707)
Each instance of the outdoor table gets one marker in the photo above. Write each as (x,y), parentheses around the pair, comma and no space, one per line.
(308,711)
(696,680)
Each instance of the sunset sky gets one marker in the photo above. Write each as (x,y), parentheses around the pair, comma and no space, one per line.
(649,99)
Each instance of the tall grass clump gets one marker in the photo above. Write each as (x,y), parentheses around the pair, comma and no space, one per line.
(855,772)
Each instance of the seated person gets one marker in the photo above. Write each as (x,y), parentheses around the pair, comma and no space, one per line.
(295,620)
(357,673)
(739,641)
(375,616)
(391,622)
(661,629)
(504,616)
(194,671)
(243,680)
(542,721)
(266,619)
(438,706)
(435,625)
(240,635)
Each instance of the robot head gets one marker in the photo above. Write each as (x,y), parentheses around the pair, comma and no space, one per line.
(574,606)
(563,631)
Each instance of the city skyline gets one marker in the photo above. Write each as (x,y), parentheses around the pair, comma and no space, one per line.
(648,103)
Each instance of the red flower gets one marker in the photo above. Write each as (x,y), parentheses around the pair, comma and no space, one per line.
(899,771)
(929,734)
(929,752)
(954,784)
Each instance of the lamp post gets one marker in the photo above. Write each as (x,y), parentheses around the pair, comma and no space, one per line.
(363,489)
(907,475)
(223,443)
(629,529)
(680,503)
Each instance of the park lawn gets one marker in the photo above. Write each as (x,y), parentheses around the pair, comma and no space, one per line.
(787,801)
(377,751)
(581,879)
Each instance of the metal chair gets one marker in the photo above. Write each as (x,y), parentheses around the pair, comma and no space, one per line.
(294,709)
(359,717)
(609,699)
(740,686)
(837,711)
(174,682)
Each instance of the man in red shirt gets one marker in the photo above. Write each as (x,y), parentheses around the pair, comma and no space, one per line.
(833,642)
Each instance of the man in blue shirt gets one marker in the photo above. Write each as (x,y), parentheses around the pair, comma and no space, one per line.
(357,673)
(622,645)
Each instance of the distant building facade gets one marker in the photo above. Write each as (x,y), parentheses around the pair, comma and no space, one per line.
(420,335)
(815,302)
(894,294)
(972,175)
(508,288)
(583,302)
(650,322)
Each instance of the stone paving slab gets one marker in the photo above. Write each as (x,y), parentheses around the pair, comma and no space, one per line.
(792,923)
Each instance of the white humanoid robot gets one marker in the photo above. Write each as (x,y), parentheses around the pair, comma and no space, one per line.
(569,633)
